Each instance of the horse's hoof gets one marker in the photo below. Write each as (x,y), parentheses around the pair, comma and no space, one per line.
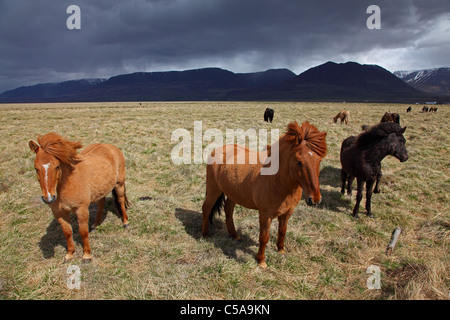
(262,265)
(125,225)
(68,258)
(87,260)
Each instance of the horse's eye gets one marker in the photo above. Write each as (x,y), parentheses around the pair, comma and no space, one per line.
(57,167)
(299,163)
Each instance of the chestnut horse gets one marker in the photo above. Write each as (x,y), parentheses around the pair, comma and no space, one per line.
(70,181)
(300,151)
(343,115)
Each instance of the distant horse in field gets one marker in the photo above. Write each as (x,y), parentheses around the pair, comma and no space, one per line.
(409,109)
(361,157)
(70,181)
(391,117)
(268,115)
(343,115)
(433,109)
(425,109)
(300,151)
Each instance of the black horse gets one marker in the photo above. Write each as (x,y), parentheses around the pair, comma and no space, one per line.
(361,158)
(268,115)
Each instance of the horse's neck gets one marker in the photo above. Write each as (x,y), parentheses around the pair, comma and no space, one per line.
(283,180)
(377,152)
(67,174)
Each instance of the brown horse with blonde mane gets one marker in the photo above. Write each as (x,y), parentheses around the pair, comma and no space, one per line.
(300,151)
(70,181)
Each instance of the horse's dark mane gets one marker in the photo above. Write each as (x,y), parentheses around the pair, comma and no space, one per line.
(65,151)
(313,138)
(377,132)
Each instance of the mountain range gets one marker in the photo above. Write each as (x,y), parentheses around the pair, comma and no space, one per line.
(330,81)
(435,81)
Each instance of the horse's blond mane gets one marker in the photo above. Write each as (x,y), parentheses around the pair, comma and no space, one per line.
(65,151)
(313,138)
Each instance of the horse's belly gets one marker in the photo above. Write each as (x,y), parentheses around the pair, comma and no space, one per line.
(237,182)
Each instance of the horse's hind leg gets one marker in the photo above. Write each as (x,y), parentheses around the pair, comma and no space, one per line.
(211,198)
(229,208)
(377,184)
(350,185)
(120,197)
(99,216)
(358,198)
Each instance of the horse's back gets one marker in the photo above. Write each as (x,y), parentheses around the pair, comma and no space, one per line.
(102,150)
(101,169)
(105,157)
(347,143)
(347,153)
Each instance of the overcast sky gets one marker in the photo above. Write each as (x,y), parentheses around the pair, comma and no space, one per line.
(124,36)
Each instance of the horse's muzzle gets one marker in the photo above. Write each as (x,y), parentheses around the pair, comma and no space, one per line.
(49,199)
(310,201)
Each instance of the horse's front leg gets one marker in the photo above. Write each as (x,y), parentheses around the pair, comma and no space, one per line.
(63,217)
(282,227)
(359,195)
(264,232)
(83,227)
(344,176)
(369,189)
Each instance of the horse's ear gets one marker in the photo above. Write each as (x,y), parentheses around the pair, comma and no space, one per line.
(33,146)
(403,130)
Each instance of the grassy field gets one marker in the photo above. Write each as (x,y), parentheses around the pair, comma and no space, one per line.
(162,254)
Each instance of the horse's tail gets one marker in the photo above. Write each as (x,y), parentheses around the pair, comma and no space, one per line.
(220,203)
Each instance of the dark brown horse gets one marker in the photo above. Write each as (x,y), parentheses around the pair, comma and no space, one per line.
(70,181)
(361,158)
(268,115)
(300,152)
(392,117)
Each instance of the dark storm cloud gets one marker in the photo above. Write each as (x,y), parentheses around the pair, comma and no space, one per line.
(238,35)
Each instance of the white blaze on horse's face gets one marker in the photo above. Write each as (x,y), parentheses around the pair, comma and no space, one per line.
(48,174)
(46,166)
(308,164)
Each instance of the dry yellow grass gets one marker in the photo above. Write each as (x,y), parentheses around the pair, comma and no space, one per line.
(162,255)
